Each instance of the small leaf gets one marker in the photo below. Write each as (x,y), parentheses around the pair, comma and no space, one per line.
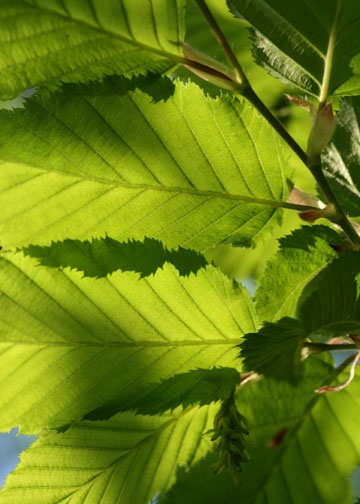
(202,386)
(102,256)
(302,255)
(275,350)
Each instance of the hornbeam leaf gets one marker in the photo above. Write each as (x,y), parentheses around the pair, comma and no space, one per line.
(342,157)
(102,256)
(202,386)
(71,343)
(46,42)
(330,303)
(127,459)
(324,441)
(192,171)
(302,255)
(275,351)
(292,40)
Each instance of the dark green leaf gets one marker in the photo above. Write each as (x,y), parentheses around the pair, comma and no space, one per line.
(275,350)
(330,303)
(302,255)
(342,157)
(103,256)
(202,386)
(291,40)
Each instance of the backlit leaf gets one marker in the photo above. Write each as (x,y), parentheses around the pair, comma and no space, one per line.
(302,255)
(313,460)
(129,168)
(126,459)
(47,42)
(81,341)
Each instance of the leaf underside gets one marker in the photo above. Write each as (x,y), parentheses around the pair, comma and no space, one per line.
(50,42)
(87,340)
(129,457)
(293,452)
(66,175)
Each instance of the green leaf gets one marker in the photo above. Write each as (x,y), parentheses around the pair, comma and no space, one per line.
(202,386)
(312,460)
(128,458)
(331,303)
(201,481)
(275,351)
(320,440)
(293,41)
(117,167)
(302,255)
(103,256)
(48,42)
(70,343)
(342,157)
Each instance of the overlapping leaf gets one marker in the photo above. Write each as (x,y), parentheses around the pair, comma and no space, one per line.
(202,386)
(342,157)
(123,166)
(298,439)
(71,343)
(302,255)
(126,459)
(331,302)
(46,42)
(275,350)
(102,256)
(292,41)
(328,305)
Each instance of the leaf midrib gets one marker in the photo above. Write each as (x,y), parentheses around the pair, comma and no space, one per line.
(176,189)
(120,344)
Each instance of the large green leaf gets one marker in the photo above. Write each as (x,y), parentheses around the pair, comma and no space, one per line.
(302,255)
(70,343)
(191,171)
(46,42)
(303,447)
(342,157)
(308,44)
(127,459)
